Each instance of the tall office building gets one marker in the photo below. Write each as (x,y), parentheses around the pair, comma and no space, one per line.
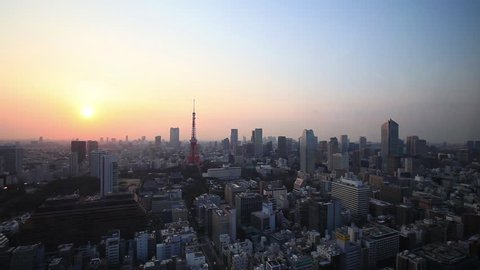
(258,142)
(325,216)
(224,221)
(246,203)
(332,149)
(94,162)
(231,190)
(92,146)
(415,146)
(112,248)
(158,141)
(354,196)
(80,147)
(344,143)
(108,174)
(382,243)
(410,145)
(73,160)
(11,157)
(175,137)
(390,142)
(105,167)
(308,144)
(340,162)
(233,141)
(282,147)
(362,143)
(141,244)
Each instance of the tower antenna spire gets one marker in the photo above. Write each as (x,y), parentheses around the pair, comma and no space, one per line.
(193,158)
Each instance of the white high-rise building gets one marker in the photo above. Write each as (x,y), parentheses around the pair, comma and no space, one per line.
(94,160)
(108,174)
(308,144)
(354,195)
(105,167)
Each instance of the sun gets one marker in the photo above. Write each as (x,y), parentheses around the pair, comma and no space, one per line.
(88,112)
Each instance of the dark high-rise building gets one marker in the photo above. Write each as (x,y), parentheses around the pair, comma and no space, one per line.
(282,146)
(226,146)
(410,145)
(332,149)
(362,146)
(92,146)
(158,141)
(234,140)
(246,203)
(390,141)
(257,135)
(344,143)
(325,216)
(416,146)
(79,147)
(174,137)
(11,159)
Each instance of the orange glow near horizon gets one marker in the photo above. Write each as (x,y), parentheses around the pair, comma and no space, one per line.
(110,69)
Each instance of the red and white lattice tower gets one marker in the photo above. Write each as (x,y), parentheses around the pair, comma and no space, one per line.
(193,157)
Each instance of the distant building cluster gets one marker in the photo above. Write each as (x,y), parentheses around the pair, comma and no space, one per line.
(260,203)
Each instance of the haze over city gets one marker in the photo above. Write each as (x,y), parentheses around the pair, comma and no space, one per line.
(89,69)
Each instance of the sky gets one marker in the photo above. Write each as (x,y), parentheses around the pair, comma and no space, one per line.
(91,69)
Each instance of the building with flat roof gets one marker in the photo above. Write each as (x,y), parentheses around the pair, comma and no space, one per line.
(246,203)
(354,195)
(407,260)
(11,159)
(382,244)
(225,173)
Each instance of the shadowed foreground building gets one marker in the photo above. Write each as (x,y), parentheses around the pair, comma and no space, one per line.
(78,220)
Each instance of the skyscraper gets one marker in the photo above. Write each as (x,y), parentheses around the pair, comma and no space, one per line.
(105,167)
(282,147)
(308,145)
(109,174)
(91,146)
(175,137)
(158,141)
(258,142)
(344,143)
(332,149)
(234,140)
(80,147)
(362,143)
(390,141)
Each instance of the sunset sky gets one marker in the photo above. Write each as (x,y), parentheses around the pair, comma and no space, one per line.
(86,69)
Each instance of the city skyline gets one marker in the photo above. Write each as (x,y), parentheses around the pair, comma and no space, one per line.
(92,70)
